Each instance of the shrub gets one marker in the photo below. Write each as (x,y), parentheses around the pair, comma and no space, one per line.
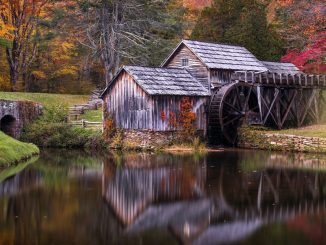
(54,114)
(52,131)
(198,145)
(117,140)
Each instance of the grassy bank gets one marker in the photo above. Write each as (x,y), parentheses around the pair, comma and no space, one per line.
(47,99)
(309,139)
(309,131)
(13,151)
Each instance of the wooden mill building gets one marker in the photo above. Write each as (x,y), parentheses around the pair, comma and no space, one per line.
(227,86)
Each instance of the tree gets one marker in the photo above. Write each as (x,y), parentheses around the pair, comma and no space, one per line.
(22,18)
(125,31)
(302,24)
(240,22)
(311,59)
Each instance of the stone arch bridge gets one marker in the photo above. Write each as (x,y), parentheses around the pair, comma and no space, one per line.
(15,114)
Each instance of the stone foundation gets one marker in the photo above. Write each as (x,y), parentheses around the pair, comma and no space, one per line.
(150,138)
(15,114)
(147,138)
(254,139)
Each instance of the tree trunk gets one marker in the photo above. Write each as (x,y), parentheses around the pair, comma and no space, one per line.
(13,62)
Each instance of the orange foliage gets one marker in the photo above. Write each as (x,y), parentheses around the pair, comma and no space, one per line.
(197,4)
(187,118)
(163,116)
(172,121)
(109,126)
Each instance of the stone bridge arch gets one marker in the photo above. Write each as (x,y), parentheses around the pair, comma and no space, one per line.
(8,125)
(15,114)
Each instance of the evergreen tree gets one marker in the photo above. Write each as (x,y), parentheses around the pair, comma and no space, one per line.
(240,22)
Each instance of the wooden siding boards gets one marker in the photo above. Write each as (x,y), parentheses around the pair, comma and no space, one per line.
(220,77)
(128,103)
(195,66)
(132,108)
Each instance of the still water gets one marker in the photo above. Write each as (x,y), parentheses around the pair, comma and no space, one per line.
(230,197)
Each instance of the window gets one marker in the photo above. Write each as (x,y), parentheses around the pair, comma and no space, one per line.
(185,62)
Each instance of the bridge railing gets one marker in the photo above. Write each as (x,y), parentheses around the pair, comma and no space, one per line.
(281,79)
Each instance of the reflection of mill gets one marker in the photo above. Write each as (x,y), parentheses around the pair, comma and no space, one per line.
(229,210)
(130,191)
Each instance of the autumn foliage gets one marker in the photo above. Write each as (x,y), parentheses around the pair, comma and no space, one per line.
(61,46)
(184,120)
(312,58)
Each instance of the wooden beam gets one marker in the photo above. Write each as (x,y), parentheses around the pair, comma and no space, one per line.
(289,108)
(307,107)
(271,106)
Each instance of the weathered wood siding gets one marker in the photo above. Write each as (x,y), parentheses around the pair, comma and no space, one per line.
(128,104)
(195,66)
(220,77)
(169,104)
(132,108)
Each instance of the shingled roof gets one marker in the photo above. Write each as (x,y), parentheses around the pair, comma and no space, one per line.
(165,81)
(280,67)
(222,56)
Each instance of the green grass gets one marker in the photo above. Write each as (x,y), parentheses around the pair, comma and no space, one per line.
(13,151)
(309,131)
(47,99)
(93,115)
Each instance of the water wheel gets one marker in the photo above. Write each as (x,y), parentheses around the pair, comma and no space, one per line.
(230,107)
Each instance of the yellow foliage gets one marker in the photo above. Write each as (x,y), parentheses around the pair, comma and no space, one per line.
(66,71)
(39,75)
(5,84)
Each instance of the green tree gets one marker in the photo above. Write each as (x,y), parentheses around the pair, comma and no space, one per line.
(240,22)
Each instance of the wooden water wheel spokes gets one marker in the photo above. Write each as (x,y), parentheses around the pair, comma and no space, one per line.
(231,105)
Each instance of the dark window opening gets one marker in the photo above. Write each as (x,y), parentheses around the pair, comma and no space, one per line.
(185,62)
(8,125)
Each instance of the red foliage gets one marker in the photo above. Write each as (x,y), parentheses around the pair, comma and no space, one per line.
(312,59)
(172,121)
(163,116)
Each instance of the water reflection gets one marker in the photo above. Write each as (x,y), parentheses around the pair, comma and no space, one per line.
(72,197)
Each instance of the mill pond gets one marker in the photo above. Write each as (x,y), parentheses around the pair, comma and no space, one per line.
(230,197)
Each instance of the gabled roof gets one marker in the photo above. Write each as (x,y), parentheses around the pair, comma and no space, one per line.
(164,81)
(280,67)
(222,56)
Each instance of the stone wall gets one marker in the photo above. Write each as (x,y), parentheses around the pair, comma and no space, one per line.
(147,138)
(15,114)
(151,139)
(255,139)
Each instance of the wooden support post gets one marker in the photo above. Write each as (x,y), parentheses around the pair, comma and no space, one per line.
(278,110)
(274,80)
(280,75)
